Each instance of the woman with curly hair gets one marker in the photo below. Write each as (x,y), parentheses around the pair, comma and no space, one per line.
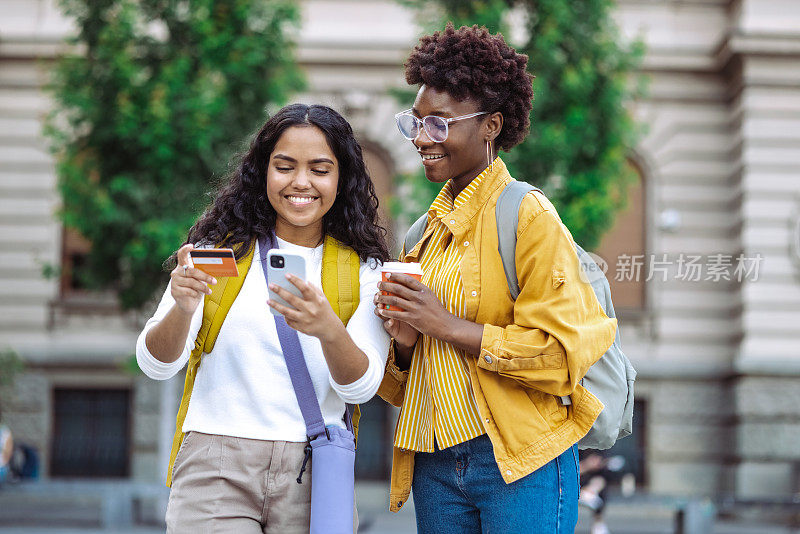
(241,439)
(482,439)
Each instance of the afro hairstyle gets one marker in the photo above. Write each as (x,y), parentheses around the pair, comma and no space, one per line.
(472,63)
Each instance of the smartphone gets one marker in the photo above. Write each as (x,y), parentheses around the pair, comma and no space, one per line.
(279,264)
(217,262)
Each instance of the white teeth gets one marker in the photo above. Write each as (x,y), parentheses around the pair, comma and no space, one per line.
(431,156)
(300,200)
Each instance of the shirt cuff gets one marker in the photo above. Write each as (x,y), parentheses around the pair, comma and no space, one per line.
(362,389)
(153,367)
(490,341)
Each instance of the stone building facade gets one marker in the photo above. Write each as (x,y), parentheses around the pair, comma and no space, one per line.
(718,357)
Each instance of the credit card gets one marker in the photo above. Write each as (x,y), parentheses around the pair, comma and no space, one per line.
(215,261)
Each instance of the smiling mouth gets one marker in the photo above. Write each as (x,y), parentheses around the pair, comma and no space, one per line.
(300,201)
(431,157)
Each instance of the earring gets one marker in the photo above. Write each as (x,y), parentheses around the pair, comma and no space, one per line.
(489,161)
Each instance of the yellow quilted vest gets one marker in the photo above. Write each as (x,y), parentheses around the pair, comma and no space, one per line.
(340,283)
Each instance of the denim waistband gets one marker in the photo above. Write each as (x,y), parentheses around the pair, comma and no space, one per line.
(479,445)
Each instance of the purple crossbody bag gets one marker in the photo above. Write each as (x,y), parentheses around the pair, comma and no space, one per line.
(333,449)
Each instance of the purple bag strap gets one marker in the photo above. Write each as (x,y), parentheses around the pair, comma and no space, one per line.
(295,360)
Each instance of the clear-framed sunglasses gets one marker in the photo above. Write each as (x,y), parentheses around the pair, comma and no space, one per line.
(436,127)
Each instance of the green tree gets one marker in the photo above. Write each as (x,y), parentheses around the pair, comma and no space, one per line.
(10,366)
(581,131)
(150,106)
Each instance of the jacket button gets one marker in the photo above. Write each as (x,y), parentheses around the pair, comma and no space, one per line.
(487,420)
(487,359)
(508,472)
(466,243)
(399,503)
(452,221)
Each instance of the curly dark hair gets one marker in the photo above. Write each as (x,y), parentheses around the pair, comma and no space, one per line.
(241,213)
(473,63)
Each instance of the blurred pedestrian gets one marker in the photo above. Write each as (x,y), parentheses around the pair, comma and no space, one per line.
(593,488)
(6,450)
(241,444)
(483,440)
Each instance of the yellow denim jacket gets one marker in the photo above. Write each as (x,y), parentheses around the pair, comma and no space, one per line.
(533,350)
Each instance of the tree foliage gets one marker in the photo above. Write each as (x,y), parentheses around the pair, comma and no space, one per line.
(10,366)
(581,132)
(149,108)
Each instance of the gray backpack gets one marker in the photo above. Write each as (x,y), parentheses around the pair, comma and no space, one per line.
(611,378)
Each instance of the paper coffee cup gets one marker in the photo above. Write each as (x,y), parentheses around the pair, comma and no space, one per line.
(391,267)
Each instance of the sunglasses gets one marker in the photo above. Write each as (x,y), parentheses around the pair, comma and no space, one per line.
(437,128)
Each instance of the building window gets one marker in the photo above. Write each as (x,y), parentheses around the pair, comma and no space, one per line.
(624,246)
(74,250)
(91,433)
(75,298)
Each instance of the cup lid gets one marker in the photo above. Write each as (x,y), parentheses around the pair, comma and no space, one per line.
(402,267)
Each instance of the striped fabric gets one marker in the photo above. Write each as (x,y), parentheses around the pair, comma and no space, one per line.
(439,399)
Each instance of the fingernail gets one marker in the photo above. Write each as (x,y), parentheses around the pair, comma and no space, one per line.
(389,322)
(388,275)
(272,287)
(213,280)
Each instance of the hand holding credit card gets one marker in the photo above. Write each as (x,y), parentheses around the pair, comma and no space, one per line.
(216,262)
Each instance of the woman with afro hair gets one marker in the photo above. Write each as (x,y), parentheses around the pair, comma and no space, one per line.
(483,439)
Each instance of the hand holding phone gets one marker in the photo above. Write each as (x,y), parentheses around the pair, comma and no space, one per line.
(279,264)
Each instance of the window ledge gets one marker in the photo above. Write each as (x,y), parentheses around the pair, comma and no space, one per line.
(81,304)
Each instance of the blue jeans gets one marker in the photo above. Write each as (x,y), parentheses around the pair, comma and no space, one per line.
(460,490)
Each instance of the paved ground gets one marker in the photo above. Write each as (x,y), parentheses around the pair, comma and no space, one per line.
(387,525)
(69,512)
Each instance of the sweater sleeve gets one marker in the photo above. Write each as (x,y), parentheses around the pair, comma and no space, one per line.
(366,330)
(148,363)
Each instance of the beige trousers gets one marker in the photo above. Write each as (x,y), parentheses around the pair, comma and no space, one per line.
(224,484)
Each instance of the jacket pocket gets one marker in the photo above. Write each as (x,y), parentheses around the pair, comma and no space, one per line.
(549,407)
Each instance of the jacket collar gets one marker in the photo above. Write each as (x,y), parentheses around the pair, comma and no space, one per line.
(469,202)
(458,214)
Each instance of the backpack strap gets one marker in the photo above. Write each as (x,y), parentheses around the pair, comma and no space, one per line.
(415,233)
(507,216)
(340,277)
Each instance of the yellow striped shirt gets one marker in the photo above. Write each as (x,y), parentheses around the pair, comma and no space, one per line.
(439,399)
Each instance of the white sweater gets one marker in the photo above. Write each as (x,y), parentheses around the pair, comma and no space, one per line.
(243,387)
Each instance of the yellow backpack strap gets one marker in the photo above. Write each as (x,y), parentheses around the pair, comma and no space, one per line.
(215,308)
(341,285)
(340,280)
